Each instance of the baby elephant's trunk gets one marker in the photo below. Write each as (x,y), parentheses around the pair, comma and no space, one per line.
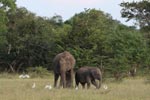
(100,82)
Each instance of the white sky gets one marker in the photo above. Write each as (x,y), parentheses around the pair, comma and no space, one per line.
(67,8)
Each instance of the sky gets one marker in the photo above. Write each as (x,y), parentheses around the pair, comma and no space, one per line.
(67,8)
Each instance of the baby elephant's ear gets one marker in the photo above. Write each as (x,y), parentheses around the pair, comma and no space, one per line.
(93,73)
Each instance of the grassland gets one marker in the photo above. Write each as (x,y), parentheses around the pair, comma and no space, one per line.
(20,89)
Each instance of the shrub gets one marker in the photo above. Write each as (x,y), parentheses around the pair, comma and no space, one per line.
(38,71)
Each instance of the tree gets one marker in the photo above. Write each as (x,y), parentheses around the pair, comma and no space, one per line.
(124,47)
(29,40)
(88,32)
(96,39)
(139,11)
(5,6)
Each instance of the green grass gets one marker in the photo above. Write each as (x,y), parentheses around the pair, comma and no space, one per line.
(20,89)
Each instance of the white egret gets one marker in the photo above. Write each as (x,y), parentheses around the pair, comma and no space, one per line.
(48,87)
(76,88)
(105,87)
(24,76)
(33,86)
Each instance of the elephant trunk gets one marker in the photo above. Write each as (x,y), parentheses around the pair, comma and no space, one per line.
(100,82)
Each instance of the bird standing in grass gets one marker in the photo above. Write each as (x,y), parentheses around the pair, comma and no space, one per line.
(105,87)
(33,86)
(76,88)
(48,87)
(23,76)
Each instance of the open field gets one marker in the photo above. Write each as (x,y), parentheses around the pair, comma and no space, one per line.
(21,89)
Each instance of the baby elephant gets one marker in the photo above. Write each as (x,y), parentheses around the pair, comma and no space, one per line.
(88,75)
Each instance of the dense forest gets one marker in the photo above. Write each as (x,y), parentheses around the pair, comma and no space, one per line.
(92,36)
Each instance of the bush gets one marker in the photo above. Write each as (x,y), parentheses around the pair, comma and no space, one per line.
(5,75)
(38,71)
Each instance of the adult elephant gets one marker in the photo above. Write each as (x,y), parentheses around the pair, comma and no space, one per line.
(88,75)
(63,66)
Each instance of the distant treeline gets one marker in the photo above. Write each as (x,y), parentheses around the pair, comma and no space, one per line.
(92,36)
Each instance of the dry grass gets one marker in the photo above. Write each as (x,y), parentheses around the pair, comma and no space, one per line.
(20,89)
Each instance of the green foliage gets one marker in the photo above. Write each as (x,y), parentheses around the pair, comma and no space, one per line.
(96,37)
(5,6)
(124,47)
(29,41)
(38,71)
(87,36)
(3,21)
(92,36)
(138,11)
(5,75)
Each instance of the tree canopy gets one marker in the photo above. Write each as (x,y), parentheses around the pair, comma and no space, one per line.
(92,36)
(139,11)
(5,6)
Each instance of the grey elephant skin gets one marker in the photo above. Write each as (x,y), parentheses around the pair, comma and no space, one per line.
(88,75)
(63,64)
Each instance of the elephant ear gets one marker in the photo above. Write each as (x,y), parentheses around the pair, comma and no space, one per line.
(95,74)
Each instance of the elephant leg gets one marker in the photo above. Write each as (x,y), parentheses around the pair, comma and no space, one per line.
(77,84)
(71,78)
(88,85)
(83,85)
(56,79)
(61,83)
(63,80)
(77,81)
(88,82)
(95,84)
(68,80)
